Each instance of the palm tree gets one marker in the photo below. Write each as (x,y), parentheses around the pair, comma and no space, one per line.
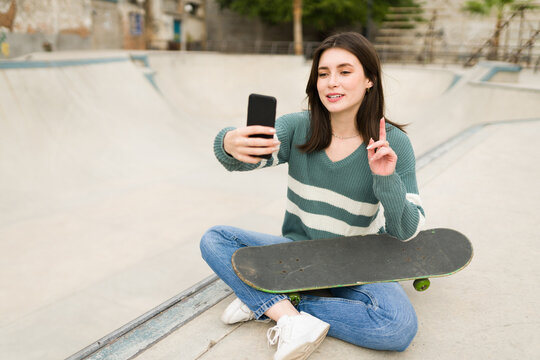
(485,7)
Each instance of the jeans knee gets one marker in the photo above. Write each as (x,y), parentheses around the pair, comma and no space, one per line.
(407,327)
(210,239)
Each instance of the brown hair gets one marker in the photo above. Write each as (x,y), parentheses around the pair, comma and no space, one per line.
(372,108)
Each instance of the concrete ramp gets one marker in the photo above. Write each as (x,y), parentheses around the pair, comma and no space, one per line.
(105,190)
(86,149)
(74,127)
(473,97)
(213,88)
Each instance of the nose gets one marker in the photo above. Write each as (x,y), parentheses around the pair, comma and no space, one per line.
(333,81)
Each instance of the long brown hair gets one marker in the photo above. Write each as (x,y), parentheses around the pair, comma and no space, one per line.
(372,108)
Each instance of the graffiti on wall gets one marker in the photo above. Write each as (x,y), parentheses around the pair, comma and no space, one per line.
(6,21)
(4,45)
(7,18)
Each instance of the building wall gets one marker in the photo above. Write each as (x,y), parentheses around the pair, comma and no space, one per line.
(226,25)
(51,24)
(106,25)
(161,16)
(7,17)
(160,22)
(34,25)
(117,25)
(460,30)
(28,26)
(133,26)
(51,16)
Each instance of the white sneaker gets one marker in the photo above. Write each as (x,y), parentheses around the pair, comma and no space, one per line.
(236,312)
(298,336)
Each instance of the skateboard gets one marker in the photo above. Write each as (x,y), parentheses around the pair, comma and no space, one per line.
(353,260)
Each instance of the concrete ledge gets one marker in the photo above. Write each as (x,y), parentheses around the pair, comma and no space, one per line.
(500,71)
(446,146)
(39,64)
(146,330)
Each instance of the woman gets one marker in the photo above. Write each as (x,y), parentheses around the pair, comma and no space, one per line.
(350,173)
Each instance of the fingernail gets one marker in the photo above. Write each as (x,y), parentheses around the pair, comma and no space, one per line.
(277,142)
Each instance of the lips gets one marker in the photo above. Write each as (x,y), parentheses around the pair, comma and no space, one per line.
(334,97)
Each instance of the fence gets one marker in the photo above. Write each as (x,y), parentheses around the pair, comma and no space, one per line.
(442,55)
(260,47)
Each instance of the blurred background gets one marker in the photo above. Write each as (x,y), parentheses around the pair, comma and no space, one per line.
(108,111)
(408,31)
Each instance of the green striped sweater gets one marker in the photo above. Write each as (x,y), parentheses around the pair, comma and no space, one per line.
(329,199)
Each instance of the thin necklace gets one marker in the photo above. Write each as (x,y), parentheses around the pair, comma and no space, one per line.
(345,137)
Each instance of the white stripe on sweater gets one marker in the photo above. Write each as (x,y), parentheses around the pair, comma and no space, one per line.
(333,198)
(415,199)
(333,225)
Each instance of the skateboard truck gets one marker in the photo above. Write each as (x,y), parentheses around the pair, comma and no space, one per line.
(294,298)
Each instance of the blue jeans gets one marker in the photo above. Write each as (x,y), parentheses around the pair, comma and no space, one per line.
(375,316)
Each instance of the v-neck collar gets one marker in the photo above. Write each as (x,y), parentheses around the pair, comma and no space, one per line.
(346,160)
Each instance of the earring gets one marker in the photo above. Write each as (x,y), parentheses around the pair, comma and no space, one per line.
(367,90)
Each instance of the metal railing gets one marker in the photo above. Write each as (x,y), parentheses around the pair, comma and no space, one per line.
(456,54)
(405,54)
(260,47)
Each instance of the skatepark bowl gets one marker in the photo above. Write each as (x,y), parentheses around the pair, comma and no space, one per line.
(108,181)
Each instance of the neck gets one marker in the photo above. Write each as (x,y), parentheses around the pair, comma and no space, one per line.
(343,125)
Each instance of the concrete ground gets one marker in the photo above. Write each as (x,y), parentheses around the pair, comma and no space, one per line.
(486,189)
(107,181)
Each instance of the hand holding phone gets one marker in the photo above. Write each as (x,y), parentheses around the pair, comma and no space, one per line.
(255,141)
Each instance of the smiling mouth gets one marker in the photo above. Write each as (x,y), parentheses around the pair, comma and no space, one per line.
(334,97)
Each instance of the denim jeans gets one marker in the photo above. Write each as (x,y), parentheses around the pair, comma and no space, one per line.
(376,316)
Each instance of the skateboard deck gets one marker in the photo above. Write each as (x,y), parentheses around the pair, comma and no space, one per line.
(354,260)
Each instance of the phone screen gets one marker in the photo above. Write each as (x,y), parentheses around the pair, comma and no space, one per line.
(262,111)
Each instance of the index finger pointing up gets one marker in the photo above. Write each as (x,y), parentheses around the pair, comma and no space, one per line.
(382,130)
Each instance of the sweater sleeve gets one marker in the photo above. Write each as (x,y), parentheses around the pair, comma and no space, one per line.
(284,129)
(398,193)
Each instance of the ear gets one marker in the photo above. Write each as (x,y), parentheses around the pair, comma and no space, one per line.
(369,83)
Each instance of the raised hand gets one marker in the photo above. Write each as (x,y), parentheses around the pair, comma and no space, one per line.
(382,159)
(241,146)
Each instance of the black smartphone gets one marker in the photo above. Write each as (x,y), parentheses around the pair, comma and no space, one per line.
(262,111)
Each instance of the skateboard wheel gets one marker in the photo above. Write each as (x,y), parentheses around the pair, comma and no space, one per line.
(421,284)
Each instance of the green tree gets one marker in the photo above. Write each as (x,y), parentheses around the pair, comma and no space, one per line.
(486,8)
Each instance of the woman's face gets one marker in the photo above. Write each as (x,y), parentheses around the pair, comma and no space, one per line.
(341,82)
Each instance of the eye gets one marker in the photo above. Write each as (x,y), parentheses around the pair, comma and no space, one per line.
(323,75)
(345,72)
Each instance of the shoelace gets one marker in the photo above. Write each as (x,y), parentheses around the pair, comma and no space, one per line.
(273,334)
